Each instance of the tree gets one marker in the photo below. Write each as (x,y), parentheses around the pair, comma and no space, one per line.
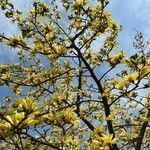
(74,87)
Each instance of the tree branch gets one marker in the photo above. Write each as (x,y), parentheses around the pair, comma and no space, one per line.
(41,142)
(142,132)
(104,98)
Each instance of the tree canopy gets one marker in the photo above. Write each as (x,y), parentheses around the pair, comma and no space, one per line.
(75,88)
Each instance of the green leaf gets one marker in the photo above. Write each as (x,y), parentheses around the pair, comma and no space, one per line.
(1,83)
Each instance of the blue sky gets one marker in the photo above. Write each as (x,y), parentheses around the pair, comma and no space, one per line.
(129,13)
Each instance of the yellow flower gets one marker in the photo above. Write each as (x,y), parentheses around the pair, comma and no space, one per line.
(96,145)
(110,117)
(49,117)
(114,60)
(6,76)
(15,118)
(30,121)
(70,116)
(131,77)
(18,16)
(98,130)
(16,41)
(59,49)
(145,71)
(28,104)
(5,126)
(108,139)
(80,2)
(119,84)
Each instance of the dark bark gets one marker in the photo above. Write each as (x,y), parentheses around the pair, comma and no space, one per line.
(142,132)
